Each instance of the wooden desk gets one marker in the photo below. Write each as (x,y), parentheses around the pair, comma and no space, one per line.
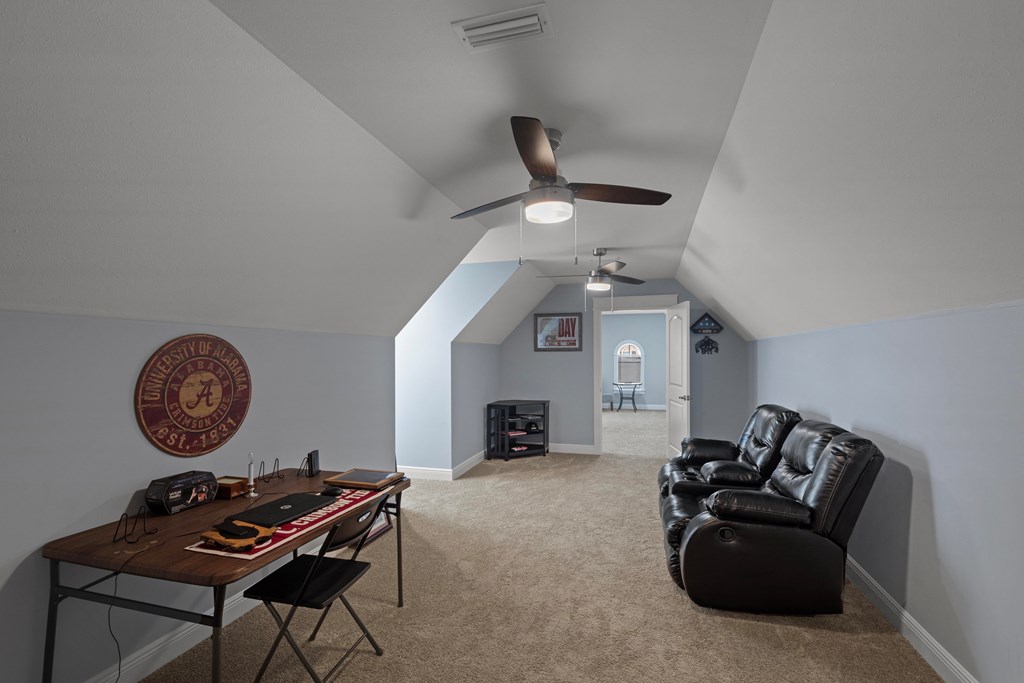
(162,555)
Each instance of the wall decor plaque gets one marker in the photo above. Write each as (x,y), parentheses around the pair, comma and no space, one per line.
(192,395)
(557,331)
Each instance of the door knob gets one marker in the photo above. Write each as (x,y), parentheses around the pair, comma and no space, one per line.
(685,398)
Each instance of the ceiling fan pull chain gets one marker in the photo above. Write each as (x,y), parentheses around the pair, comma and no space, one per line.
(575,253)
(521,209)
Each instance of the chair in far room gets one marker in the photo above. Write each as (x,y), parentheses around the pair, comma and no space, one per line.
(316,582)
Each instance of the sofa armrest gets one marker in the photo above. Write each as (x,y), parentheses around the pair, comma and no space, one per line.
(730,473)
(695,451)
(758,506)
(755,567)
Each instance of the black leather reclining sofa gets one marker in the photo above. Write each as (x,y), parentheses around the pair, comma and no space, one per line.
(779,547)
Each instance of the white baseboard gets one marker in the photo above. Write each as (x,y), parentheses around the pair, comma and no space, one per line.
(438,473)
(441,473)
(582,449)
(154,655)
(937,656)
(467,465)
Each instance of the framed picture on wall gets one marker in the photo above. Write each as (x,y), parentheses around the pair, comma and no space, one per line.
(558,332)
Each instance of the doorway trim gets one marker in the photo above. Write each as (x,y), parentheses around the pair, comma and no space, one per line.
(651,303)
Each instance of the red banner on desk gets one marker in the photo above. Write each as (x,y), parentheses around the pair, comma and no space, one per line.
(286,532)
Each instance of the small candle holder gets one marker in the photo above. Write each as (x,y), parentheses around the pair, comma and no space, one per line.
(250,482)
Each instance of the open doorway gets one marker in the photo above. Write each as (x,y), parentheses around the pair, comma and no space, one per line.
(677,366)
(633,381)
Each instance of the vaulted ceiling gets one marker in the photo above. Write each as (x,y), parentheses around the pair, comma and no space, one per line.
(294,165)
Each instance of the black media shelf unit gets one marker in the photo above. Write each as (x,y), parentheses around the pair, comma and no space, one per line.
(516,428)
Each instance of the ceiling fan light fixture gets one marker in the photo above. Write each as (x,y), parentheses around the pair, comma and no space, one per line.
(549,204)
(598,283)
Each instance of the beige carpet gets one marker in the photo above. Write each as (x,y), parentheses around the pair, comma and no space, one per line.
(551,569)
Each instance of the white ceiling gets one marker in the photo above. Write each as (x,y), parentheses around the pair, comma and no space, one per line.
(642,91)
(880,150)
(157,162)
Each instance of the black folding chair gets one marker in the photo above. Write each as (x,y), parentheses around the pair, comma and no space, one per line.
(316,581)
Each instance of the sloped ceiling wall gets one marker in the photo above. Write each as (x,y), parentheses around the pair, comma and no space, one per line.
(873,169)
(156,162)
(513,302)
(643,92)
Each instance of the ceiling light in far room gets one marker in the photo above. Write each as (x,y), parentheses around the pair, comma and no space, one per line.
(598,283)
(548,204)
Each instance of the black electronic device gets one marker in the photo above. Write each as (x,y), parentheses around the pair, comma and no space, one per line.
(283,510)
(232,530)
(311,464)
(331,491)
(181,491)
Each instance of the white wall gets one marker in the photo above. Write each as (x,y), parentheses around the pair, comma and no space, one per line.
(943,397)
(423,363)
(75,458)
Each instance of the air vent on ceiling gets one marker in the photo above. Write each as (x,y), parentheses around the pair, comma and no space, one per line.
(481,33)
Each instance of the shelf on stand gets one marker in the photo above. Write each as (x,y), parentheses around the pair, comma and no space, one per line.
(509,432)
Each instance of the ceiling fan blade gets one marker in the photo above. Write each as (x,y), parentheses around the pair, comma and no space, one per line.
(618,194)
(625,280)
(612,266)
(576,275)
(488,207)
(534,147)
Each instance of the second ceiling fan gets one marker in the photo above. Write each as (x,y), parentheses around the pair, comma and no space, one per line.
(550,198)
(600,279)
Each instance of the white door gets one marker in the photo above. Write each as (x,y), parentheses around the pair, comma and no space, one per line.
(677,369)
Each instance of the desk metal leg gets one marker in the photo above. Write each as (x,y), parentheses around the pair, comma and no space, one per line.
(51,621)
(219,593)
(398,532)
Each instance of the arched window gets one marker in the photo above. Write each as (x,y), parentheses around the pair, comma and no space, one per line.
(629,364)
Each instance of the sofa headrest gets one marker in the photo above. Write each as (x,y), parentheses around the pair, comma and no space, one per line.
(764,433)
(823,466)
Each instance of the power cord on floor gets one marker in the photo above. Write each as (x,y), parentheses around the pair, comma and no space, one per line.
(110,608)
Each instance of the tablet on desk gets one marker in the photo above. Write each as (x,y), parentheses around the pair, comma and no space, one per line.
(358,478)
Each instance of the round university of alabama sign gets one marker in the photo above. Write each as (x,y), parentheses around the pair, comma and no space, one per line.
(192,395)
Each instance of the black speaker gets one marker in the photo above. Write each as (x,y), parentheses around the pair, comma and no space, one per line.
(312,466)
(181,491)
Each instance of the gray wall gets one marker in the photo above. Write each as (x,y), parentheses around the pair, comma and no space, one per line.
(423,363)
(74,456)
(647,330)
(720,383)
(566,378)
(474,385)
(943,397)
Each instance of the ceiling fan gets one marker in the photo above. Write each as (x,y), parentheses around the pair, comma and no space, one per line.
(550,198)
(600,279)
